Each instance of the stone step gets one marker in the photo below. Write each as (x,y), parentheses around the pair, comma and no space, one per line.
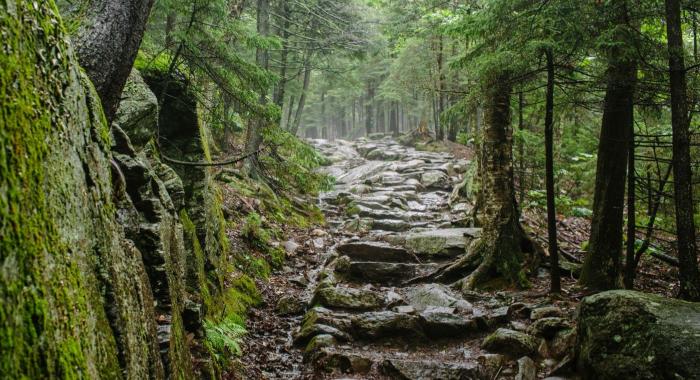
(377,272)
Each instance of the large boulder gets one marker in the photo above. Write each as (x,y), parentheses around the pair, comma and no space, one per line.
(630,335)
(138,110)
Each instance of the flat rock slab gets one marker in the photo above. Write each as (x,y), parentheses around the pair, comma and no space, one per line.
(429,370)
(348,298)
(373,251)
(387,324)
(425,296)
(384,272)
(449,242)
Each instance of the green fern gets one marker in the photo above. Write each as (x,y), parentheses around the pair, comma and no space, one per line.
(223,339)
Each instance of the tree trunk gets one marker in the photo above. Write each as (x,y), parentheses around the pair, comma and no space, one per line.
(521,149)
(254,134)
(601,268)
(302,98)
(279,94)
(496,259)
(551,205)
(369,111)
(394,119)
(107,43)
(630,262)
(682,174)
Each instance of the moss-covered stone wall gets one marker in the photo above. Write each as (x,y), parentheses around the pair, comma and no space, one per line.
(76,301)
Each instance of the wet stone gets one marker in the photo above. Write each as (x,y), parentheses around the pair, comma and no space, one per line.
(429,370)
(387,324)
(510,342)
(543,312)
(548,327)
(381,272)
(372,250)
(348,298)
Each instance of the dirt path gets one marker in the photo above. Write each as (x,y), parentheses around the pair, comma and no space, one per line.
(342,308)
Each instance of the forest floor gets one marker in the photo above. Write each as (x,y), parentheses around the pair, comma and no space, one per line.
(340,308)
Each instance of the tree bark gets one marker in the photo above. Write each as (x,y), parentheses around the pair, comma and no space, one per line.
(601,268)
(255,128)
(551,205)
(369,111)
(107,43)
(302,98)
(279,94)
(498,257)
(682,174)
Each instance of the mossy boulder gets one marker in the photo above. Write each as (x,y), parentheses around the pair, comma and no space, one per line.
(630,335)
(138,110)
(510,342)
(348,298)
(76,301)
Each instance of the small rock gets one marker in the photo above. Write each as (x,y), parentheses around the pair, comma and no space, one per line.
(320,341)
(348,298)
(291,247)
(543,312)
(548,327)
(510,342)
(319,233)
(526,369)
(406,309)
(290,305)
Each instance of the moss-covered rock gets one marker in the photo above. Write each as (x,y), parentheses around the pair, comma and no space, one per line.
(138,110)
(624,334)
(75,298)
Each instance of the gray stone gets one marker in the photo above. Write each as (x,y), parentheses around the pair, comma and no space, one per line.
(386,324)
(625,334)
(381,272)
(138,110)
(429,370)
(449,242)
(424,296)
(435,179)
(510,342)
(290,305)
(373,250)
(526,369)
(547,311)
(320,341)
(443,323)
(548,327)
(348,298)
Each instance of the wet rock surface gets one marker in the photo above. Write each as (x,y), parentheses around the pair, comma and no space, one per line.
(390,222)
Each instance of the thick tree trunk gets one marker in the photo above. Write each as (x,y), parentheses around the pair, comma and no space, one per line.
(601,268)
(549,149)
(521,149)
(682,174)
(255,128)
(107,43)
(498,257)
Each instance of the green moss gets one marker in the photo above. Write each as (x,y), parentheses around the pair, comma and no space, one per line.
(55,252)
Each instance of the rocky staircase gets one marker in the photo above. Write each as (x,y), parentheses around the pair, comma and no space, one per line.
(392,222)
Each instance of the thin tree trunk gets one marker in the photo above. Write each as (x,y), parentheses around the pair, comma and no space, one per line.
(551,205)
(601,268)
(630,262)
(682,172)
(279,94)
(302,98)
(521,148)
(107,43)
(254,134)
(369,111)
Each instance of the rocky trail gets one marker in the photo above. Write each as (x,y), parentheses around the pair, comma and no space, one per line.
(358,312)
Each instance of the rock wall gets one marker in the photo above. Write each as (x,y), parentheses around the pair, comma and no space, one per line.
(76,299)
(109,260)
